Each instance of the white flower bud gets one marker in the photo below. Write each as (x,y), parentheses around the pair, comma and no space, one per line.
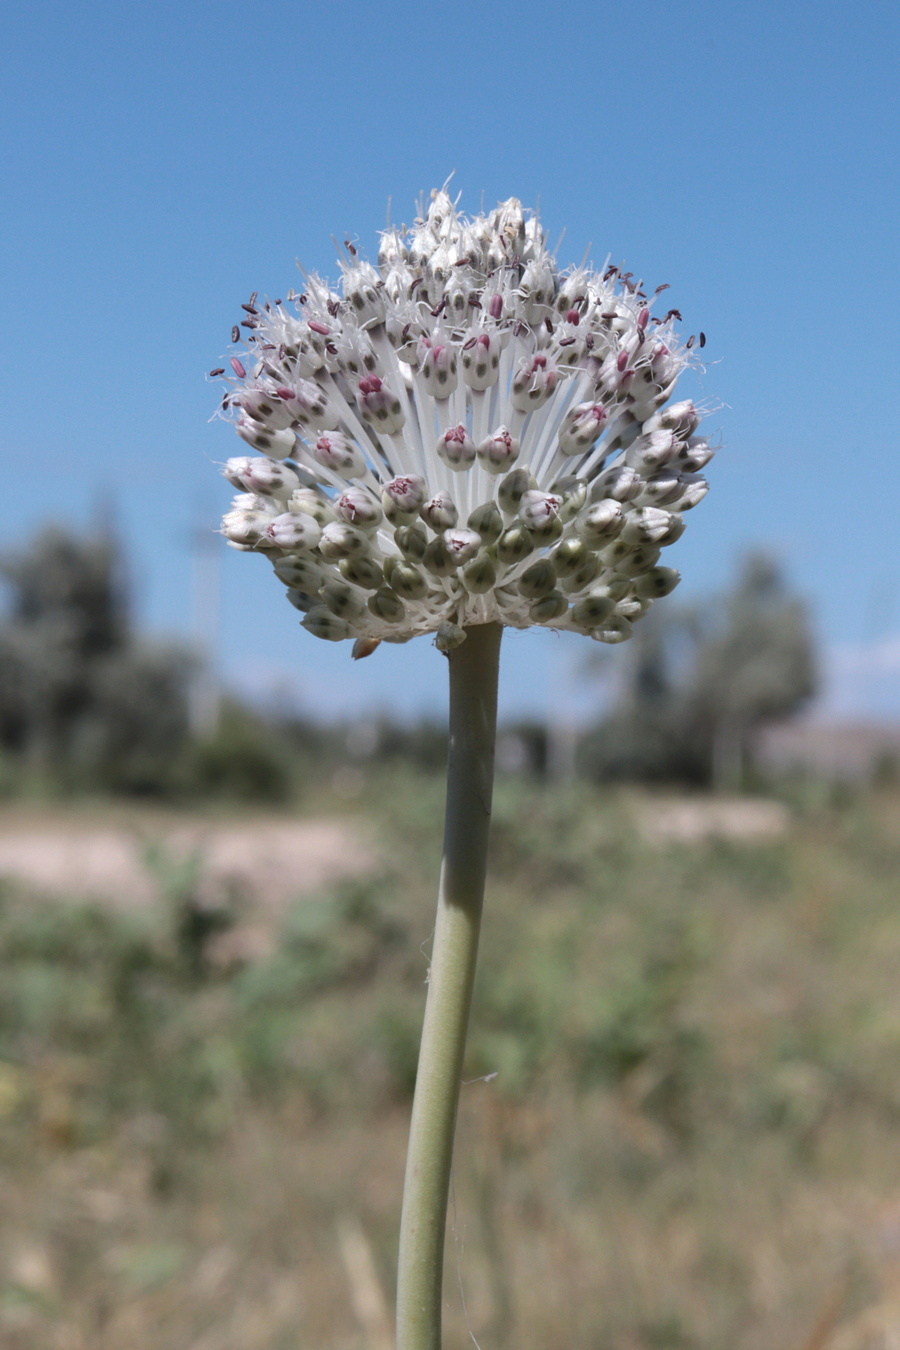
(440,512)
(681,418)
(692,489)
(378,406)
(462,545)
(581,427)
(456,448)
(539,511)
(323,624)
(305,403)
(335,451)
(438,559)
(438,368)
(659,581)
(645,525)
(276,444)
(245,527)
(294,530)
(674,532)
(661,488)
(695,455)
(649,453)
(499,451)
(481,360)
(312,503)
(574,495)
(264,407)
(601,521)
(302,600)
(412,541)
(342,541)
(403,497)
(261,475)
(576,581)
(640,558)
(357,507)
(620,483)
(533,383)
(569,555)
(614,588)
(613,630)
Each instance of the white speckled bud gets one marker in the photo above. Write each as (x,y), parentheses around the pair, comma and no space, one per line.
(462,545)
(335,451)
(275,444)
(659,581)
(440,512)
(342,600)
(357,507)
(438,369)
(456,448)
(645,525)
(403,497)
(499,451)
(538,579)
(386,604)
(581,427)
(481,361)
(600,522)
(342,541)
(549,608)
(487,521)
(263,475)
(323,624)
(294,530)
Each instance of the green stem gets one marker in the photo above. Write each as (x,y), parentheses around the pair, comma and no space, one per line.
(470,778)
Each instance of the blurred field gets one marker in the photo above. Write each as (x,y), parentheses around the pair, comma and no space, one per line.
(692,1141)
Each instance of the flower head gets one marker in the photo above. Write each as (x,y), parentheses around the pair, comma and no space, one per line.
(465,434)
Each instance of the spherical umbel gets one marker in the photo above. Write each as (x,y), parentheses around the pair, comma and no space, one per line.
(464,434)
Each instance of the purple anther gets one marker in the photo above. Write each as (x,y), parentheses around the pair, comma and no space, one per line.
(496,306)
(284,392)
(573,316)
(238,369)
(643,319)
(621,361)
(319,328)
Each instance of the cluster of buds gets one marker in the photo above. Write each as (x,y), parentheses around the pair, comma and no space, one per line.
(464,434)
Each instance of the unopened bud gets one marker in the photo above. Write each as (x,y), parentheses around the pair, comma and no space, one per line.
(514,544)
(264,407)
(600,522)
(263,475)
(659,581)
(302,600)
(613,630)
(300,572)
(692,489)
(362,571)
(357,507)
(590,611)
(640,559)
(342,541)
(456,448)
(448,636)
(412,541)
(408,581)
(651,452)
(462,545)
(487,521)
(481,360)
(682,418)
(586,573)
(574,495)
(615,588)
(538,579)
(661,488)
(533,383)
(245,527)
(695,455)
(499,451)
(335,451)
(438,559)
(378,406)
(674,532)
(621,483)
(548,608)
(275,444)
(480,575)
(513,488)
(569,555)
(440,512)
(342,600)
(645,525)
(312,503)
(581,427)
(402,498)
(387,605)
(294,530)
(323,624)
(438,369)
(539,511)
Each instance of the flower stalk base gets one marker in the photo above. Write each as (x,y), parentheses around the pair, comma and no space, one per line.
(473,718)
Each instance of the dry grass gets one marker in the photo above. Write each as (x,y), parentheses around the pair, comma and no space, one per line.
(691,1144)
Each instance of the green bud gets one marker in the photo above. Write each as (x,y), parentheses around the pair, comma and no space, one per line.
(657,582)
(312,504)
(513,488)
(479,575)
(412,541)
(487,521)
(574,494)
(514,544)
(407,580)
(386,604)
(299,572)
(341,600)
(301,600)
(569,555)
(448,636)
(323,624)
(591,611)
(363,572)
(583,577)
(538,579)
(548,608)
(438,559)
(638,561)
(615,588)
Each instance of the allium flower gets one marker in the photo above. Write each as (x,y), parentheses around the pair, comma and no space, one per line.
(465,434)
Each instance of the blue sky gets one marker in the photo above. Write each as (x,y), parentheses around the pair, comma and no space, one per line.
(161,161)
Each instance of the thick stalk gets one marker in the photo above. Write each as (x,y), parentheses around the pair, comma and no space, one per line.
(470,778)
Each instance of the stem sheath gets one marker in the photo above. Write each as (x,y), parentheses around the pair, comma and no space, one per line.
(470,779)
